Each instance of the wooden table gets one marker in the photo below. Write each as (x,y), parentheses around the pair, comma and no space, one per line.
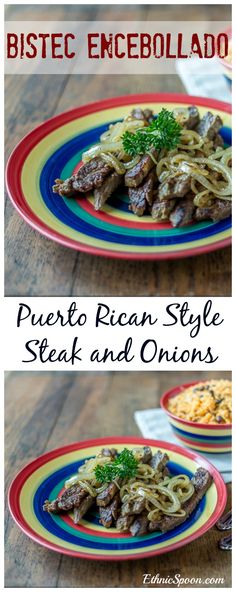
(36,266)
(47,410)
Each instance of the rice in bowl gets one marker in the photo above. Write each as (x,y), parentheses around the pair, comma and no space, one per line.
(207,402)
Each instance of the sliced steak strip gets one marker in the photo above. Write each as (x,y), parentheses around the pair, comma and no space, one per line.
(145,115)
(70,498)
(110,513)
(218,142)
(140,525)
(80,511)
(133,507)
(174,187)
(73,500)
(202,480)
(105,517)
(137,200)
(89,176)
(187,117)
(137,174)
(183,212)
(209,126)
(159,461)
(124,522)
(102,194)
(219,210)
(142,196)
(86,181)
(51,507)
(112,452)
(144,454)
(193,117)
(166,472)
(104,498)
(89,167)
(64,188)
(161,210)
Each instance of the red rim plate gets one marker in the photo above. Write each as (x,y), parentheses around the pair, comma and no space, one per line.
(22,476)
(17,158)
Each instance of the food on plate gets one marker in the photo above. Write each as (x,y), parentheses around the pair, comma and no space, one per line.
(133,491)
(205,402)
(174,166)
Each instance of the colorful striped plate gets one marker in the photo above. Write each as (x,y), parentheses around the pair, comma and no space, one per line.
(44,479)
(53,150)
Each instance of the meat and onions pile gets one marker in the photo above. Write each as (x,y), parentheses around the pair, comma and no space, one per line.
(174,166)
(133,491)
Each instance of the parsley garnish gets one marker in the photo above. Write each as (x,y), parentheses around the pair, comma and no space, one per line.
(123,466)
(163,132)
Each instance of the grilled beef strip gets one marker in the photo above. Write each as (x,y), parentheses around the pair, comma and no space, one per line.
(70,498)
(166,472)
(87,178)
(124,522)
(146,455)
(140,525)
(161,210)
(112,452)
(104,498)
(202,480)
(209,126)
(64,188)
(137,201)
(109,185)
(188,117)
(80,511)
(159,461)
(142,196)
(174,187)
(183,212)
(219,210)
(51,506)
(110,513)
(193,117)
(218,142)
(135,176)
(145,115)
(133,507)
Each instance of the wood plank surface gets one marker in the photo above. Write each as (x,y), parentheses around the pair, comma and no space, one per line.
(47,410)
(35,266)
